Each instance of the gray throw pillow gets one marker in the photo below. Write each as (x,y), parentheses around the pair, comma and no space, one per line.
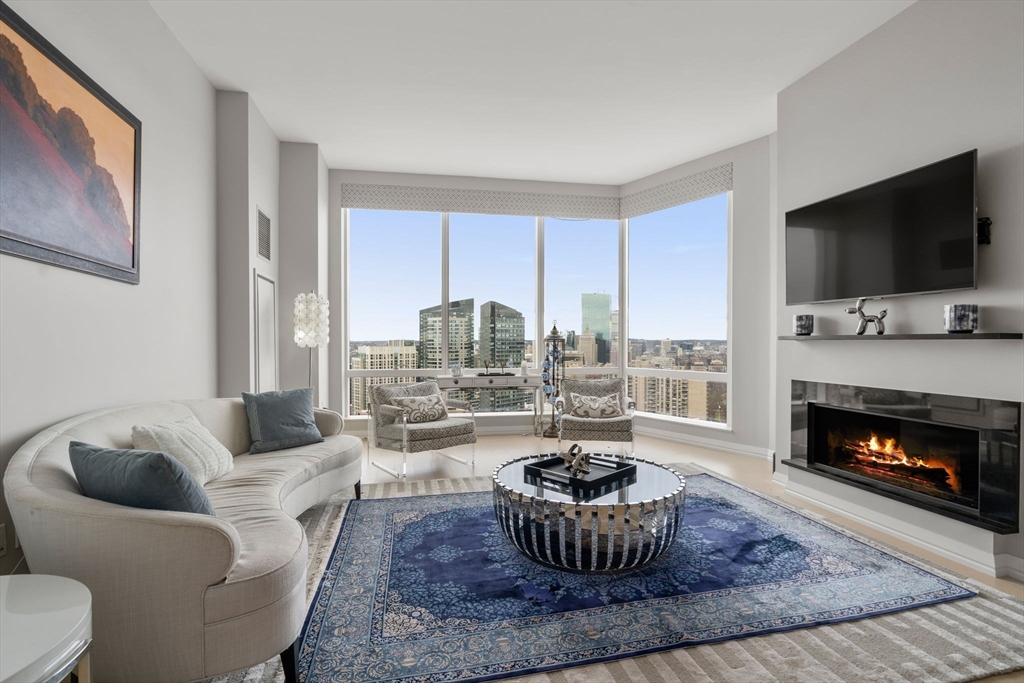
(139,479)
(281,419)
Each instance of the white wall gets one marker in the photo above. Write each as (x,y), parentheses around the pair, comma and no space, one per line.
(751,306)
(235,370)
(248,167)
(72,342)
(303,258)
(938,79)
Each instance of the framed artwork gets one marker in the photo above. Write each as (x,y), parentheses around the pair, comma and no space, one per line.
(70,161)
(266,333)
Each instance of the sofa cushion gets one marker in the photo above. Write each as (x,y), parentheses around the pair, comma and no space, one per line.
(623,423)
(226,419)
(384,394)
(140,479)
(422,408)
(273,545)
(441,429)
(281,419)
(190,443)
(596,406)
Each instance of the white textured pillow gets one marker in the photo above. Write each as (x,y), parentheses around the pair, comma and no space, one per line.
(596,406)
(423,408)
(190,443)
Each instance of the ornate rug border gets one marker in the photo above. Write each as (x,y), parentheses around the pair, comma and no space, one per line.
(580,658)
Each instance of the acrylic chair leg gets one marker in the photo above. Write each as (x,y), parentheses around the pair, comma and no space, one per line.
(473,452)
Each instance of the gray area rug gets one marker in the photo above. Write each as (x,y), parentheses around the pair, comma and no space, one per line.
(951,642)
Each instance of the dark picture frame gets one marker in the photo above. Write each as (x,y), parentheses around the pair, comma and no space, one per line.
(69,210)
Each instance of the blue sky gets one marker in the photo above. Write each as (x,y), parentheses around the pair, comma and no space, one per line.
(677,269)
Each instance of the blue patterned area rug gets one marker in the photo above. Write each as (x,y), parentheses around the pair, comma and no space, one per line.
(428,589)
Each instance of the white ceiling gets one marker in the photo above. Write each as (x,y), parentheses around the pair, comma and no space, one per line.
(591,92)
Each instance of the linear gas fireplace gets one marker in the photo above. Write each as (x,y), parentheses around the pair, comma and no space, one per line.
(952,455)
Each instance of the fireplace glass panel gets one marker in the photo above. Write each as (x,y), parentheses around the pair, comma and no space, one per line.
(927,458)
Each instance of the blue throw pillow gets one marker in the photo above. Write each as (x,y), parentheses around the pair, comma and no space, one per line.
(139,479)
(281,419)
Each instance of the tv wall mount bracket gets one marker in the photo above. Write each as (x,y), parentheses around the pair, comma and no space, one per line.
(985,230)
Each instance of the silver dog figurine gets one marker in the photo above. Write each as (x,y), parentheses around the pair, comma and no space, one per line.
(862,324)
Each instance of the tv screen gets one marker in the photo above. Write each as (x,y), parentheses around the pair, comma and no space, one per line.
(915,232)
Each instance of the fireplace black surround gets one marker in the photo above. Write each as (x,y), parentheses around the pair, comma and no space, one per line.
(952,455)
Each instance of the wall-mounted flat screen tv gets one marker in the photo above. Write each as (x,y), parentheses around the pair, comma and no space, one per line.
(913,233)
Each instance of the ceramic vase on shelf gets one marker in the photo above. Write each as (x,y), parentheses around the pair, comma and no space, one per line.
(960,318)
(803,325)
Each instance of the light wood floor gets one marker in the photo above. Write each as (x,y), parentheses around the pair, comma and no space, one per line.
(749,471)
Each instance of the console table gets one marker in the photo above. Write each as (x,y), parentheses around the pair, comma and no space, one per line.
(500,382)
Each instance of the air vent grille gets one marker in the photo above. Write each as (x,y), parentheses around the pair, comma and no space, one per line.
(264,234)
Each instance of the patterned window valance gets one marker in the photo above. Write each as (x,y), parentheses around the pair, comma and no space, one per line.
(406,198)
(454,200)
(706,183)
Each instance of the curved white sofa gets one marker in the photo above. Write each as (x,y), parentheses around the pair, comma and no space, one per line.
(179,596)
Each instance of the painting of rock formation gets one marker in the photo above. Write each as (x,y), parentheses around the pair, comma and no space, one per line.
(68,161)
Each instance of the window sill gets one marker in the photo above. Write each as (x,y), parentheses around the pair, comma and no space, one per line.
(686,421)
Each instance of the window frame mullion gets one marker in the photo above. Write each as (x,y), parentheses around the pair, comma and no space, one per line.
(445,323)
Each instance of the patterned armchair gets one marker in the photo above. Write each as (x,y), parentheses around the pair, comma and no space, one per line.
(593,397)
(392,427)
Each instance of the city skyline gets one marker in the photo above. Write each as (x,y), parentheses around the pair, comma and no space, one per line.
(492,258)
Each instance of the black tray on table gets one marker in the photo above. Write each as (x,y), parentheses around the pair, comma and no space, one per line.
(606,475)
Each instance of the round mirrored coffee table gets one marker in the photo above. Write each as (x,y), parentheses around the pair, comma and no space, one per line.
(619,528)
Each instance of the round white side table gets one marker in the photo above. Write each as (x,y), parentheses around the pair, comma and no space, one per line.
(46,622)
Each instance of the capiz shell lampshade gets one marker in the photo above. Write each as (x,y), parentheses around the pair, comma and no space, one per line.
(312,314)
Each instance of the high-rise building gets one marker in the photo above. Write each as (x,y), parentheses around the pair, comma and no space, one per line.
(502,334)
(666,347)
(395,355)
(460,334)
(597,315)
(502,342)
(613,355)
(586,345)
(461,331)
(697,399)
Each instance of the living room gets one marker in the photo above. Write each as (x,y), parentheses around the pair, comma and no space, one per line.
(366,216)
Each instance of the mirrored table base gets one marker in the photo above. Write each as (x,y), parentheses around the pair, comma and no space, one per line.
(582,537)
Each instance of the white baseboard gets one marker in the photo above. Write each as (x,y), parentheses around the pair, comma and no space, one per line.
(780,476)
(978,560)
(717,444)
(1010,566)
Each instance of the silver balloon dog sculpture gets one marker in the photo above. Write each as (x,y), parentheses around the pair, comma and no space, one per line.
(862,325)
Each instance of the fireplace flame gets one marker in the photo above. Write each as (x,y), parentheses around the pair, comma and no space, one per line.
(888,453)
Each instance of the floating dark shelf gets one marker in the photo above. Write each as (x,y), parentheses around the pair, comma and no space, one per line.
(885,337)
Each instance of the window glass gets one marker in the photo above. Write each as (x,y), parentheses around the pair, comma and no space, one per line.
(678,306)
(492,278)
(677,397)
(581,285)
(394,272)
